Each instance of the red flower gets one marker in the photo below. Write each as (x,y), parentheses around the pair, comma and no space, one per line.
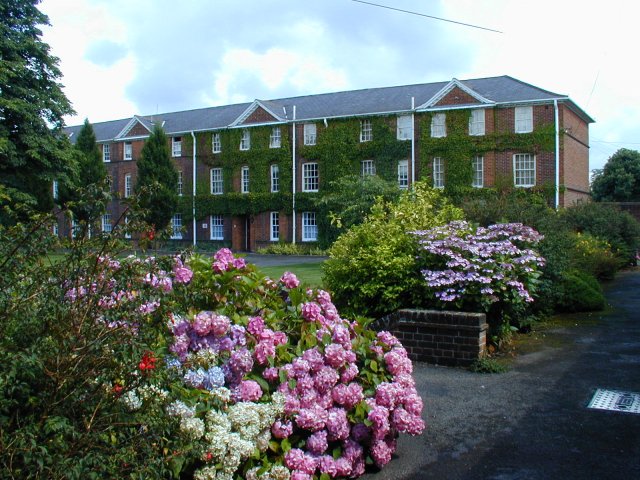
(117,390)
(148,362)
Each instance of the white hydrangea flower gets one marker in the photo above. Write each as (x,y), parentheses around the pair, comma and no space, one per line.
(206,473)
(205,358)
(192,427)
(218,421)
(262,439)
(240,446)
(131,400)
(222,394)
(179,409)
(279,472)
(252,474)
(151,392)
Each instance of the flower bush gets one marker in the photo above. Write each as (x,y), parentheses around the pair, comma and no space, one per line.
(492,269)
(227,374)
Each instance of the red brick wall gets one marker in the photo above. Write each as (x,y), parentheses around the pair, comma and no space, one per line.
(259,115)
(574,157)
(457,97)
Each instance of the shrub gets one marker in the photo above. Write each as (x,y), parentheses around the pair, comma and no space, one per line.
(372,269)
(579,292)
(283,248)
(593,256)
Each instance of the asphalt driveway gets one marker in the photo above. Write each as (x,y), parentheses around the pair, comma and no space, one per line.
(533,422)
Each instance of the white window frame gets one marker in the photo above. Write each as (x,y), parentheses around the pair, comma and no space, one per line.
(309,133)
(55,229)
(127,151)
(438,172)
(176,227)
(106,223)
(106,152)
(244,179)
(275,178)
(180,184)
(127,233)
(216,143)
(245,141)
(216,227)
(366,131)
(404,127)
(176,146)
(216,185)
(309,227)
(523,119)
(477,122)
(55,189)
(310,177)
(477,165)
(128,185)
(524,175)
(275,139)
(438,125)
(367,167)
(75,228)
(403,174)
(274,226)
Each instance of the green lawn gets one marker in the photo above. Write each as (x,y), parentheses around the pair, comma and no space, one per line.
(308,273)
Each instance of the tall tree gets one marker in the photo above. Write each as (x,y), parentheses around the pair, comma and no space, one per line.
(157,180)
(87,196)
(33,148)
(619,180)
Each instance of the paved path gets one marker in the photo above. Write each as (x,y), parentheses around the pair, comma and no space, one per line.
(532,423)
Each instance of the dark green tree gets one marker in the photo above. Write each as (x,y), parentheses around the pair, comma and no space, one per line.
(33,149)
(619,180)
(157,181)
(87,196)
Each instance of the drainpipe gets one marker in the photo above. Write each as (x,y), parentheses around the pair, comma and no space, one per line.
(555,107)
(193,198)
(293,187)
(413,142)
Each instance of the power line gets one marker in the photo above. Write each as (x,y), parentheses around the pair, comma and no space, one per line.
(428,16)
(616,143)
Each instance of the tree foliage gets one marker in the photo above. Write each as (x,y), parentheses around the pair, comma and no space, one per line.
(619,180)
(157,180)
(33,149)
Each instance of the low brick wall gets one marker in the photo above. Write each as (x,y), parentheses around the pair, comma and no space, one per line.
(443,338)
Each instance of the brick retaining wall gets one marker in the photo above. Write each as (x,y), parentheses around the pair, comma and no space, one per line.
(440,337)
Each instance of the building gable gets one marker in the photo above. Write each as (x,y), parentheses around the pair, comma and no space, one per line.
(455,93)
(257,112)
(457,97)
(135,128)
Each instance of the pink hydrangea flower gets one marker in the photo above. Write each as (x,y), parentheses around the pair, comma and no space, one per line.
(342,336)
(282,429)
(202,323)
(314,358)
(317,442)
(271,374)
(250,391)
(379,417)
(239,263)
(327,465)
(325,379)
(388,394)
(349,373)
(413,404)
(335,355)
(311,311)
(397,362)
(312,419)
(255,325)
(381,453)
(289,280)
(181,273)
(220,324)
(387,338)
(337,424)
(300,475)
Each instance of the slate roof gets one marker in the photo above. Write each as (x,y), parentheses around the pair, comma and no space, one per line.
(501,90)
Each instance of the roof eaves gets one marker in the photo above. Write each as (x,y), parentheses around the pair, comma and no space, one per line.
(450,86)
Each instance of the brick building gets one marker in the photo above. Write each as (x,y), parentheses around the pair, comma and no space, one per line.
(248,172)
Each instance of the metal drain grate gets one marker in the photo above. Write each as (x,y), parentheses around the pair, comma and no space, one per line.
(615,400)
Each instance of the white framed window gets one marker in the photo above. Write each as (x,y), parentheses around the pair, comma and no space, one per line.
(477,166)
(128,151)
(310,177)
(367,167)
(128,185)
(309,227)
(55,229)
(274,226)
(523,119)
(106,152)
(438,125)
(524,170)
(366,131)
(275,178)
(403,174)
(244,180)
(216,143)
(476,122)
(106,223)
(404,127)
(309,130)
(176,146)
(438,172)
(245,141)
(180,182)
(127,233)
(275,139)
(75,228)
(216,230)
(176,227)
(55,189)
(215,175)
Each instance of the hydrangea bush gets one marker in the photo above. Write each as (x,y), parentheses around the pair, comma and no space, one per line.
(493,269)
(247,377)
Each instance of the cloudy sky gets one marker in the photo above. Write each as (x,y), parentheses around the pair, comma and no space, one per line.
(124,57)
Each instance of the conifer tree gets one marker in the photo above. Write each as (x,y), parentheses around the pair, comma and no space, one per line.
(157,181)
